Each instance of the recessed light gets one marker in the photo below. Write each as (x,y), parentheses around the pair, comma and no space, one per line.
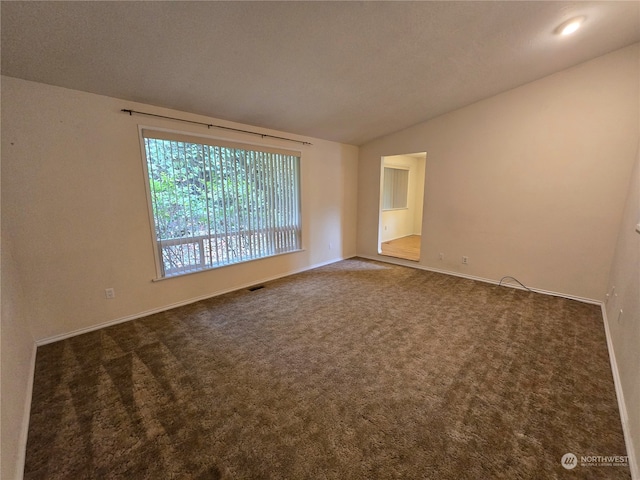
(570,26)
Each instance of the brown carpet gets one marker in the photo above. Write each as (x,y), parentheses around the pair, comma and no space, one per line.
(356,370)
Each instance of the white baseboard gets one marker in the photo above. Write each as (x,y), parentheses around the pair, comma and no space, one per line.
(633,464)
(27,407)
(624,417)
(409,263)
(622,406)
(80,331)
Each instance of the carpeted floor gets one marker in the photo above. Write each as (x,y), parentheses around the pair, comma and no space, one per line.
(356,370)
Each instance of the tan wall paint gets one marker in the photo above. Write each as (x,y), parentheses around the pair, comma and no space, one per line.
(76,208)
(17,355)
(625,328)
(419,196)
(529,183)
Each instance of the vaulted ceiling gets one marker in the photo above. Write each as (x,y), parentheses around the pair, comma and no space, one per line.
(343,71)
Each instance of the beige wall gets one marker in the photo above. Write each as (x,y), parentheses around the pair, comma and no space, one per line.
(16,358)
(625,328)
(75,221)
(529,183)
(418,211)
(75,206)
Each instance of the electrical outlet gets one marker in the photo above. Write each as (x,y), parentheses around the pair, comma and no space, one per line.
(465,260)
(330,245)
(110,293)
(441,256)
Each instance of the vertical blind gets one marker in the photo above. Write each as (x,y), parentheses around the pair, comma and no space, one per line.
(395,188)
(218,203)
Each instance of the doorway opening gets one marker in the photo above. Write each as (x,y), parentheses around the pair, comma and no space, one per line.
(401,202)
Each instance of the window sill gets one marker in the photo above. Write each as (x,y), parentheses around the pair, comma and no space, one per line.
(209,269)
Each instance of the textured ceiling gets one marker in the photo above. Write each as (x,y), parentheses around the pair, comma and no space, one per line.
(343,71)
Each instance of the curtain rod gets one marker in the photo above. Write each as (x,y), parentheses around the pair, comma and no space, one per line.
(210,125)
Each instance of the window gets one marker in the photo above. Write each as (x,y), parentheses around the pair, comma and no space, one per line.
(395,188)
(216,203)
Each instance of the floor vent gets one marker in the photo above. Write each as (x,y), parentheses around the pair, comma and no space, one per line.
(257,287)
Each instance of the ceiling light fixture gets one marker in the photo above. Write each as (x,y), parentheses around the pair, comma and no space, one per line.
(570,26)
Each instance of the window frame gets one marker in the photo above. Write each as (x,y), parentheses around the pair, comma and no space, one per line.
(224,143)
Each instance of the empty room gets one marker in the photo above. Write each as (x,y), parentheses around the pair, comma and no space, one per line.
(333,240)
